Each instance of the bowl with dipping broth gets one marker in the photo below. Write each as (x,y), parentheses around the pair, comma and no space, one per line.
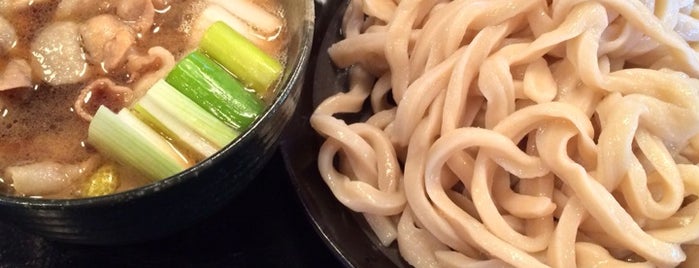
(129,97)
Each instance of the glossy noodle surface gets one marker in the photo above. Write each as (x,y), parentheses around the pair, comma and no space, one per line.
(520,133)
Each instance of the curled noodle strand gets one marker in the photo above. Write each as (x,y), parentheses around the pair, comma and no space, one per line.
(528,133)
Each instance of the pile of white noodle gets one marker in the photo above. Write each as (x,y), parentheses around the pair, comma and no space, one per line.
(527,133)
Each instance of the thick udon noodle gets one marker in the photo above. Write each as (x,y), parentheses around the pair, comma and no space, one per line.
(526,133)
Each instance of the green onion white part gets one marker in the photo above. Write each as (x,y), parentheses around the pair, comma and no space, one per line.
(213,13)
(253,14)
(126,139)
(195,111)
(189,114)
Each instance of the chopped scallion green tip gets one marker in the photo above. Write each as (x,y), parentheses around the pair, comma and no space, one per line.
(241,57)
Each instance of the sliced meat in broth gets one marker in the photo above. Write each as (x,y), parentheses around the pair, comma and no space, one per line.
(59,55)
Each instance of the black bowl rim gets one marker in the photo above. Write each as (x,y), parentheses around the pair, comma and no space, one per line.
(345,232)
(288,82)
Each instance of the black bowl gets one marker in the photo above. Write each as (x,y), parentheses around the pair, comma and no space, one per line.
(345,232)
(164,207)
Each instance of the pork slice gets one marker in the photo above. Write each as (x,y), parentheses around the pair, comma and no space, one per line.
(48,177)
(8,36)
(107,40)
(138,13)
(148,69)
(17,74)
(100,92)
(79,10)
(9,6)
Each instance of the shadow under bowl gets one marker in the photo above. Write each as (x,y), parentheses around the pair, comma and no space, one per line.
(172,204)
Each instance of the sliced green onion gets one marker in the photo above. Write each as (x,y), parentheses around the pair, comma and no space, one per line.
(185,139)
(213,13)
(210,86)
(241,57)
(178,116)
(252,14)
(126,139)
